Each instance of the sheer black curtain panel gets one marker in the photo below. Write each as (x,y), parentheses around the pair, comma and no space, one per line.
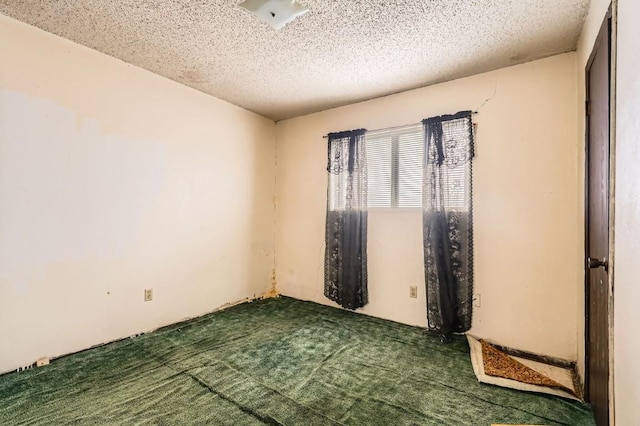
(448,222)
(345,261)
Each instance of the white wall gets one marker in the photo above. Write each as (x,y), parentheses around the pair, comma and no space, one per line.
(113,180)
(627,216)
(525,194)
(593,22)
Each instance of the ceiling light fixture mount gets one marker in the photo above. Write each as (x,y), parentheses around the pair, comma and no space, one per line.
(276,13)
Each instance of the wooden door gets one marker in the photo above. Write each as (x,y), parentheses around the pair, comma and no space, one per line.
(598,79)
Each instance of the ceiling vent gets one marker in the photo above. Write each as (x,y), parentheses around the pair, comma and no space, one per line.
(276,13)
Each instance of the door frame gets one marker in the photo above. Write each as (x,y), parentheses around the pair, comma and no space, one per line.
(608,28)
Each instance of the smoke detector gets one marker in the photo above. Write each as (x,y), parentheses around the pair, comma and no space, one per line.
(276,13)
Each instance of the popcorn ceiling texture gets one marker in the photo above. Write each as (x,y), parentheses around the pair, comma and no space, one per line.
(340,52)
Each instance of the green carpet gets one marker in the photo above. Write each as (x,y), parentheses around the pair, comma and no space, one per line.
(276,361)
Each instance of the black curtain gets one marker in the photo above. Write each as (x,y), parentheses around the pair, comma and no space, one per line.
(447,222)
(345,260)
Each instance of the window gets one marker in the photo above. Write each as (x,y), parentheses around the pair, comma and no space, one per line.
(394,161)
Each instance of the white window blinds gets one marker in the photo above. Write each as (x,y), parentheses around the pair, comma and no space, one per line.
(394,161)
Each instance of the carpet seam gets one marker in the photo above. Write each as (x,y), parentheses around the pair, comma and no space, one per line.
(217,361)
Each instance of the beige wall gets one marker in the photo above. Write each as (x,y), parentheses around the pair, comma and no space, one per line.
(593,22)
(525,193)
(627,216)
(113,180)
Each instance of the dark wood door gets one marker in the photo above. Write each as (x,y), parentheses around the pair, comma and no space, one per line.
(597,225)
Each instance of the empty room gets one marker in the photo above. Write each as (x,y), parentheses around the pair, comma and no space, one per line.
(309,212)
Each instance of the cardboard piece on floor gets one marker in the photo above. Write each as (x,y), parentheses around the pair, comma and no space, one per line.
(558,374)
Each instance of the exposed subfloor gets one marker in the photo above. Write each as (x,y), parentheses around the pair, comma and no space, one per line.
(276,361)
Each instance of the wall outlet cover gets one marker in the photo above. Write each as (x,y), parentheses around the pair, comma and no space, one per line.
(476,300)
(413,292)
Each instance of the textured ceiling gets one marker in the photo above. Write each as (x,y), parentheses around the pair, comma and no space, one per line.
(341,51)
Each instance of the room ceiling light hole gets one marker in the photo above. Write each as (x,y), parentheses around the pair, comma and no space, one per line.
(276,13)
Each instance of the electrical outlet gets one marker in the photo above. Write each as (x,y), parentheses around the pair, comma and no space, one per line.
(476,300)
(148,295)
(413,292)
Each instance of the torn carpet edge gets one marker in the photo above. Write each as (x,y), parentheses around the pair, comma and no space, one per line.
(564,390)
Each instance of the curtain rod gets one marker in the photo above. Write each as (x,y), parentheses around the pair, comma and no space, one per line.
(395,127)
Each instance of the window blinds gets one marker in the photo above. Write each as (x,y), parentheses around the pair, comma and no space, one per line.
(394,161)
